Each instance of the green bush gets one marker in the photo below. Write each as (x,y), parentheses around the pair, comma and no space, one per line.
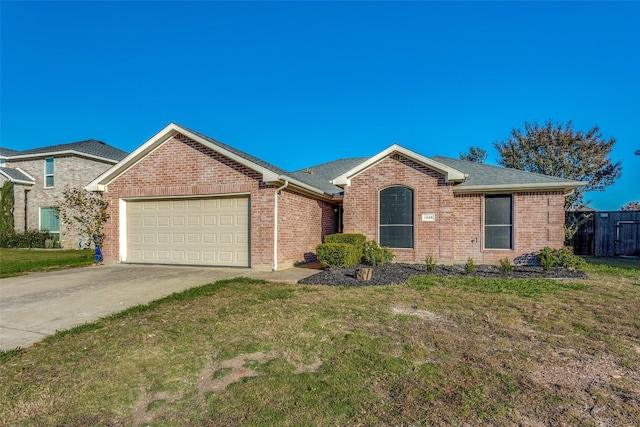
(563,257)
(333,255)
(430,262)
(470,266)
(505,266)
(28,239)
(546,259)
(376,255)
(357,240)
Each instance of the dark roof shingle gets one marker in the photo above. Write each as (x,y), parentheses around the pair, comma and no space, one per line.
(15,174)
(90,147)
(481,174)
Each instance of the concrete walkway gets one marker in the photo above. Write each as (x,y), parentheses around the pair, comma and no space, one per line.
(37,305)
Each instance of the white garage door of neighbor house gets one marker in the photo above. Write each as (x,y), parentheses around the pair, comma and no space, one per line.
(212,231)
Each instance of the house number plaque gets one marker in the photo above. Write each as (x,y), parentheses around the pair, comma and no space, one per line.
(428,217)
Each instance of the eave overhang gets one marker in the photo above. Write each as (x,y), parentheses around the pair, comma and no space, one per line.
(566,187)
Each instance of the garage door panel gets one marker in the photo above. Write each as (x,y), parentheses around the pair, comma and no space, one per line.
(211,231)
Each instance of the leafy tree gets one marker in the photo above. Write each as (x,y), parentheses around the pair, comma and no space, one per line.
(475,154)
(6,208)
(86,211)
(631,206)
(556,149)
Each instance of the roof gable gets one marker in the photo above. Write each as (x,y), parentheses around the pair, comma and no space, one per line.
(270,173)
(450,173)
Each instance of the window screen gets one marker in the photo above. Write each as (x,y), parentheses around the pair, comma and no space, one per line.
(498,222)
(396,217)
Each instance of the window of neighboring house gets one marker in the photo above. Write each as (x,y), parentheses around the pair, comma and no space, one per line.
(48,172)
(3,163)
(49,221)
(396,217)
(498,221)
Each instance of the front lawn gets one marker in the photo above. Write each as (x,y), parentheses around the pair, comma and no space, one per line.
(434,351)
(16,262)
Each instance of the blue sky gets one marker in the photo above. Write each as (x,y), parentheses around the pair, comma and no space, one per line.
(301,83)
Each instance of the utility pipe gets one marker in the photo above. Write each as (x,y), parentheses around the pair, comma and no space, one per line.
(275,224)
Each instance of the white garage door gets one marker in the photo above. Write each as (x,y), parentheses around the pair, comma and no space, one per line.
(212,231)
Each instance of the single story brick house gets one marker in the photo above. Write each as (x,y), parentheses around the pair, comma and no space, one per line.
(184,198)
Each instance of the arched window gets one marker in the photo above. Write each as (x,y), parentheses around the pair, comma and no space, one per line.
(396,217)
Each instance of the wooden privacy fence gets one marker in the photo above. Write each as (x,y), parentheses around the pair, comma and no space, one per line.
(608,234)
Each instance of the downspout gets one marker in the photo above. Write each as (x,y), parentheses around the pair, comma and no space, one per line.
(275,224)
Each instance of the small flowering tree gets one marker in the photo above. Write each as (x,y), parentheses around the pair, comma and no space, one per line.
(86,211)
(631,206)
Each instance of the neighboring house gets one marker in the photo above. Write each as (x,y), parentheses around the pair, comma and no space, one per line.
(41,174)
(184,198)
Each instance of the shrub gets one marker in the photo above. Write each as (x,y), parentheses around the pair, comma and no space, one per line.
(333,255)
(357,240)
(376,255)
(28,239)
(505,266)
(470,266)
(563,257)
(431,264)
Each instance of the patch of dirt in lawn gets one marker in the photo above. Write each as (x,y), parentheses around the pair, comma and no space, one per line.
(410,311)
(233,370)
(214,378)
(398,273)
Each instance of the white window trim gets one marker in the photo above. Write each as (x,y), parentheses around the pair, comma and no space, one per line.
(53,163)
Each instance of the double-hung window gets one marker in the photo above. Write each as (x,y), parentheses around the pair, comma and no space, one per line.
(48,172)
(498,221)
(49,221)
(396,217)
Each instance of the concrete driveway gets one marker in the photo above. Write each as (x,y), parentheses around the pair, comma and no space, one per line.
(37,305)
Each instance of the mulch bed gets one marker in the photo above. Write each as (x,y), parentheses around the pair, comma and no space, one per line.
(398,273)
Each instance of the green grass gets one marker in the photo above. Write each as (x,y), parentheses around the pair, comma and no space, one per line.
(16,262)
(436,351)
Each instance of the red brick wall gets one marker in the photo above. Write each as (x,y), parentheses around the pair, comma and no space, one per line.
(458,231)
(183,167)
(302,223)
(431,194)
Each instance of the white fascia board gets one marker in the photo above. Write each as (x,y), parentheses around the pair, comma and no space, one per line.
(267,174)
(302,185)
(552,186)
(172,129)
(450,173)
(132,158)
(58,153)
(18,169)
(17,181)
